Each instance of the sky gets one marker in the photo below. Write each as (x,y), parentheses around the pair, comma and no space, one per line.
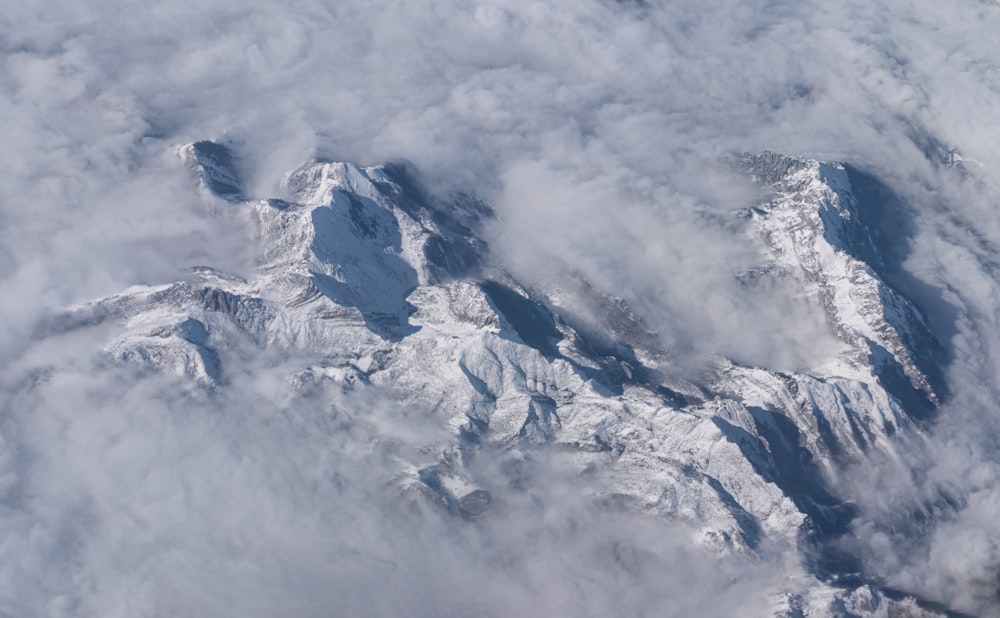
(599,132)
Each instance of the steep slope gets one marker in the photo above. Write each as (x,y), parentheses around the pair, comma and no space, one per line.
(818,236)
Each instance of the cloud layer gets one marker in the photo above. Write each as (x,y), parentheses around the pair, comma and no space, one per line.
(132,495)
(595,128)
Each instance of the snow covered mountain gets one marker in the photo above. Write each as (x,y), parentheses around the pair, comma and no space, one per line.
(368,284)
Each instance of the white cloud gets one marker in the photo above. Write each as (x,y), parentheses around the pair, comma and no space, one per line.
(138,497)
(588,125)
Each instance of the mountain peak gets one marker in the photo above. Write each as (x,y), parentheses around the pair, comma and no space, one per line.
(216,166)
(818,234)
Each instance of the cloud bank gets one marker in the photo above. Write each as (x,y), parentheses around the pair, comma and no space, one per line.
(134,495)
(595,129)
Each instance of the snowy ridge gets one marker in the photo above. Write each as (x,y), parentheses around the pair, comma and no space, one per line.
(817,236)
(215,166)
(372,285)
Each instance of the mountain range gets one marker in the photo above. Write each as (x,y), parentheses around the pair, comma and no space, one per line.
(371,285)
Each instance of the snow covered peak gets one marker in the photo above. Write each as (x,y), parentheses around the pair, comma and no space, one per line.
(819,235)
(216,167)
(316,183)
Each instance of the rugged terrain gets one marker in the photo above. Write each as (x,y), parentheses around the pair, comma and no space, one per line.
(369,284)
